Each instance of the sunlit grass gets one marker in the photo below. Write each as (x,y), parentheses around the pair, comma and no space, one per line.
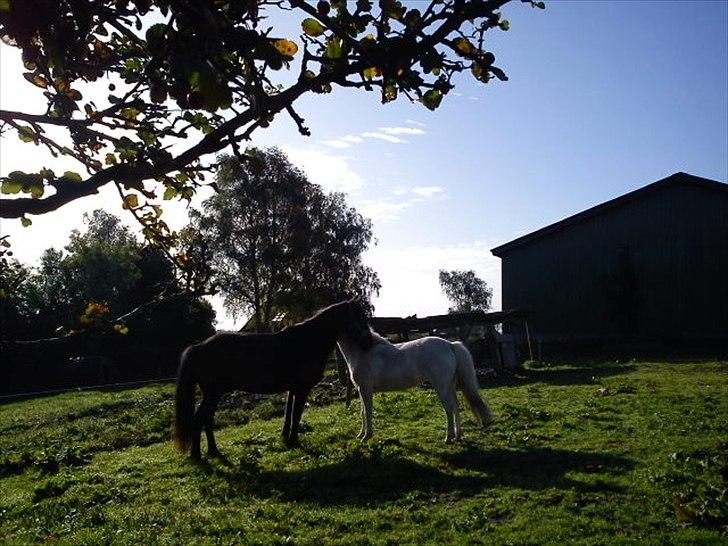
(610,453)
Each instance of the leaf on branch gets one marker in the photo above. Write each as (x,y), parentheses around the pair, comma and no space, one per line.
(286,47)
(121,329)
(131,201)
(464,46)
(9,186)
(498,73)
(25,221)
(371,73)
(169,193)
(26,134)
(71,176)
(312,27)
(432,99)
(36,79)
(334,50)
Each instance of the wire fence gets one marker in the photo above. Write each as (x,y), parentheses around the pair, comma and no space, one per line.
(38,394)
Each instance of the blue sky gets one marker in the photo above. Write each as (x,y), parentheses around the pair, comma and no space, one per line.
(603,97)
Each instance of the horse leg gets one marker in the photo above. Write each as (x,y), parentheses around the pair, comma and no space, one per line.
(286,432)
(299,401)
(212,450)
(366,400)
(449,403)
(456,412)
(362,416)
(198,422)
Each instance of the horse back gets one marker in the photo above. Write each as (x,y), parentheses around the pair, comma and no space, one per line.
(255,362)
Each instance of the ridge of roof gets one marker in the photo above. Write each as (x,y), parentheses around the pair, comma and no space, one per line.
(678,178)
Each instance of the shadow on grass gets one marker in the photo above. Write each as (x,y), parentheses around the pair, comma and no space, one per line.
(585,375)
(362,478)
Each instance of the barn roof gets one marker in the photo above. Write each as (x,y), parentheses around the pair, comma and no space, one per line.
(677,179)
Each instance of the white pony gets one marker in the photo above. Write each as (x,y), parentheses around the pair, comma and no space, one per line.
(383,366)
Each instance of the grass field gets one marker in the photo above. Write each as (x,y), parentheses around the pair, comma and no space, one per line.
(593,454)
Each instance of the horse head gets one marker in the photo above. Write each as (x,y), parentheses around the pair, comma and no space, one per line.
(358,328)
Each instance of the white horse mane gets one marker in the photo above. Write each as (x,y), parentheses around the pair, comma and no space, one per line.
(378,338)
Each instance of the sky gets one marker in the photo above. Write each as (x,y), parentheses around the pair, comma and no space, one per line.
(603,98)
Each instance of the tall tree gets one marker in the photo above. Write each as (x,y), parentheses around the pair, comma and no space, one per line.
(279,244)
(205,75)
(465,290)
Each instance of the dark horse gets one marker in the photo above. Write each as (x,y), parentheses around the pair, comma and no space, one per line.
(291,360)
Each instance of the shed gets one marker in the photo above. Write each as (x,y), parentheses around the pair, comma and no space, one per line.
(650,267)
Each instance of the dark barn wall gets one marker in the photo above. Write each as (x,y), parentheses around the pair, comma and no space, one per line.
(653,267)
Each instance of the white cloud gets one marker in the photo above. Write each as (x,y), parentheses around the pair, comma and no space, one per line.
(336,143)
(413,122)
(343,142)
(409,276)
(383,136)
(388,209)
(402,130)
(428,191)
(382,210)
(332,172)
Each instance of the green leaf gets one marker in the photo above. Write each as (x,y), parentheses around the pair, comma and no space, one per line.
(463,46)
(504,24)
(25,221)
(389,93)
(10,186)
(169,193)
(371,73)
(4,5)
(37,191)
(431,99)
(333,50)
(26,134)
(110,159)
(72,176)
(156,38)
(121,329)
(312,27)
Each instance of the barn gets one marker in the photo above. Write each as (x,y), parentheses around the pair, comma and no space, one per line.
(648,269)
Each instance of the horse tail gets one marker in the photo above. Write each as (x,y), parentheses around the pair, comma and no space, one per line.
(468,383)
(184,400)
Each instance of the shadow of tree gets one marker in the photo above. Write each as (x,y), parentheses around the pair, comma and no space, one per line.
(541,467)
(362,478)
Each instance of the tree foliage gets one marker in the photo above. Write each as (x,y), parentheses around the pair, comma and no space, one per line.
(202,75)
(278,243)
(101,274)
(465,290)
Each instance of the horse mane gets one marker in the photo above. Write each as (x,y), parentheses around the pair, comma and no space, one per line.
(316,316)
(378,339)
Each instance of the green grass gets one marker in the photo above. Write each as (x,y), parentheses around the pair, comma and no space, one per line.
(594,454)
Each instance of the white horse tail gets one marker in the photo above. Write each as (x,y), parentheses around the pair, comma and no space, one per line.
(468,383)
